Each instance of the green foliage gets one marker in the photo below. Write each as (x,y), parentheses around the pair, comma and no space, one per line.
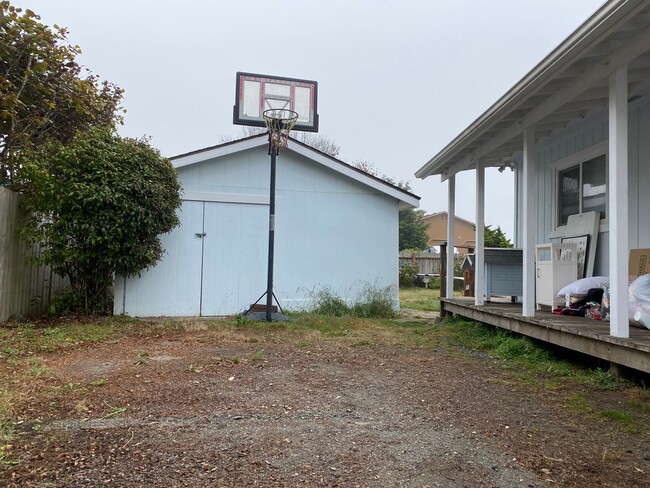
(496,237)
(375,303)
(603,380)
(326,302)
(407,272)
(96,208)
(412,230)
(372,303)
(66,301)
(44,94)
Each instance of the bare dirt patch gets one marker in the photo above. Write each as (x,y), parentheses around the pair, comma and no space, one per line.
(200,408)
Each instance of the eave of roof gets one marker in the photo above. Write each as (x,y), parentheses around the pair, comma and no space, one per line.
(511,110)
(406,198)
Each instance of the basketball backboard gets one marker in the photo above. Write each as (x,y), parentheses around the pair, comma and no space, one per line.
(257,93)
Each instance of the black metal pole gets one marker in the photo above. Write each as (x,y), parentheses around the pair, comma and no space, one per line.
(269,281)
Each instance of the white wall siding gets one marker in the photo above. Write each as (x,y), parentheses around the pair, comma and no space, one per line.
(639,167)
(582,137)
(245,172)
(330,232)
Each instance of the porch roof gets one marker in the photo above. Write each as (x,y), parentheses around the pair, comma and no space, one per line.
(567,86)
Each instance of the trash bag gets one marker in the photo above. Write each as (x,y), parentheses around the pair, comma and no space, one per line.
(639,308)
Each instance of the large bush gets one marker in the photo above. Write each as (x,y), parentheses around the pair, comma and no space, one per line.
(96,208)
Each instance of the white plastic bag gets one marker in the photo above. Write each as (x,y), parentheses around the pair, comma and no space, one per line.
(639,310)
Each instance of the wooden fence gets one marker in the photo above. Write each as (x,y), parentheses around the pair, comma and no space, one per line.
(428,263)
(24,289)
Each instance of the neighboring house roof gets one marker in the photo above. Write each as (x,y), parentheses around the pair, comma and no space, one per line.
(438,214)
(406,198)
(567,86)
(438,235)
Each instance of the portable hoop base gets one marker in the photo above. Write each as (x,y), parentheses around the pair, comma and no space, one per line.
(279,122)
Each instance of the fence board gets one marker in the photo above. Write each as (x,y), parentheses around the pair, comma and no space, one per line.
(24,289)
(427,263)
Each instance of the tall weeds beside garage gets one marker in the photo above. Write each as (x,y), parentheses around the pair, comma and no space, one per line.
(371,303)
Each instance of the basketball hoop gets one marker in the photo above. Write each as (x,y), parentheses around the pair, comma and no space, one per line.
(279,122)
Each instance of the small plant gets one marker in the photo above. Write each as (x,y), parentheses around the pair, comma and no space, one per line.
(114,411)
(375,303)
(66,301)
(194,369)
(244,320)
(600,379)
(143,358)
(258,356)
(236,359)
(326,302)
(407,273)
(372,302)
(5,409)
(100,382)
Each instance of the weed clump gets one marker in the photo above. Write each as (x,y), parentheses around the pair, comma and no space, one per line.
(371,303)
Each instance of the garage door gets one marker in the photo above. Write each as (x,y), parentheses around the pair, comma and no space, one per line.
(214,264)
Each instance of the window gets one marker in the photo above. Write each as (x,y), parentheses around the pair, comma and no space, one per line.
(583,188)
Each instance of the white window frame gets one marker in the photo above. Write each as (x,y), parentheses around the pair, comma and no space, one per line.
(600,149)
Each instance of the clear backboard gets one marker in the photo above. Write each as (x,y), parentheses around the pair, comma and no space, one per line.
(256,93)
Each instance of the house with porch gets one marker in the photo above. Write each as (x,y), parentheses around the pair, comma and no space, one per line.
(576,132)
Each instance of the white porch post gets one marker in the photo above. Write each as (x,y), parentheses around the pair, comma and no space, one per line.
(451,220)
(479,254)
(529,234)
(618,204)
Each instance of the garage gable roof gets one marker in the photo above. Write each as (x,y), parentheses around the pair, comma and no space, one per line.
(567,86)
(406,199)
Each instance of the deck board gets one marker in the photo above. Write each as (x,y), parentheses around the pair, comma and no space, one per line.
(576,333)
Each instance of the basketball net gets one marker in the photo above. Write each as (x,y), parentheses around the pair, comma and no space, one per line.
(279,122)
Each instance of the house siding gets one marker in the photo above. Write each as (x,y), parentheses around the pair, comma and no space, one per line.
(582,137)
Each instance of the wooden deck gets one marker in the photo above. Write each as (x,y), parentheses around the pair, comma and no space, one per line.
(576,333)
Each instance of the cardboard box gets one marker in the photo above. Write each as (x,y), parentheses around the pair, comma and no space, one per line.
(639,262)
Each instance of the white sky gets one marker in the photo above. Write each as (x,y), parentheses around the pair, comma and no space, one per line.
(398,79)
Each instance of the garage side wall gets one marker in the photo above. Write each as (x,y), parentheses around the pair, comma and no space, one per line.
(331,232)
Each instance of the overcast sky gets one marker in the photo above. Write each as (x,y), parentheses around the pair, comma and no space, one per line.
(398,79)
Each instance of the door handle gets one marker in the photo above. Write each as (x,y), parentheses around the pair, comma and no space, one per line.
(200,234)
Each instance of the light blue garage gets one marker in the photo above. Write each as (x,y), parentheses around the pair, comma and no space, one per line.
(336,227)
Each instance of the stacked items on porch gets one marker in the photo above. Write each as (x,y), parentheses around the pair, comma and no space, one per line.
(589,297)
(586,297)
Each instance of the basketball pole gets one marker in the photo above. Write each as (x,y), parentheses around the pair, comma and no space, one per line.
(269,280)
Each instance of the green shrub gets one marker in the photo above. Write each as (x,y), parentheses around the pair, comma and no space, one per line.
(407,273)
(66,301)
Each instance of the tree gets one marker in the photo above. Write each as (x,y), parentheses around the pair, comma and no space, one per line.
(96,208)
(412,230)
(43,95)
(496,237)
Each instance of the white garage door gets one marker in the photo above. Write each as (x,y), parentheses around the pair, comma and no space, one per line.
(214,264)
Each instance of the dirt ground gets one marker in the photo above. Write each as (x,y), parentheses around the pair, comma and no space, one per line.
(190,409)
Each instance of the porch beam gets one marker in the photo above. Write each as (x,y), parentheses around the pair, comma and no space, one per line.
(618,204)
(529,230)
(479,249)
(451,231)
(592,76)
